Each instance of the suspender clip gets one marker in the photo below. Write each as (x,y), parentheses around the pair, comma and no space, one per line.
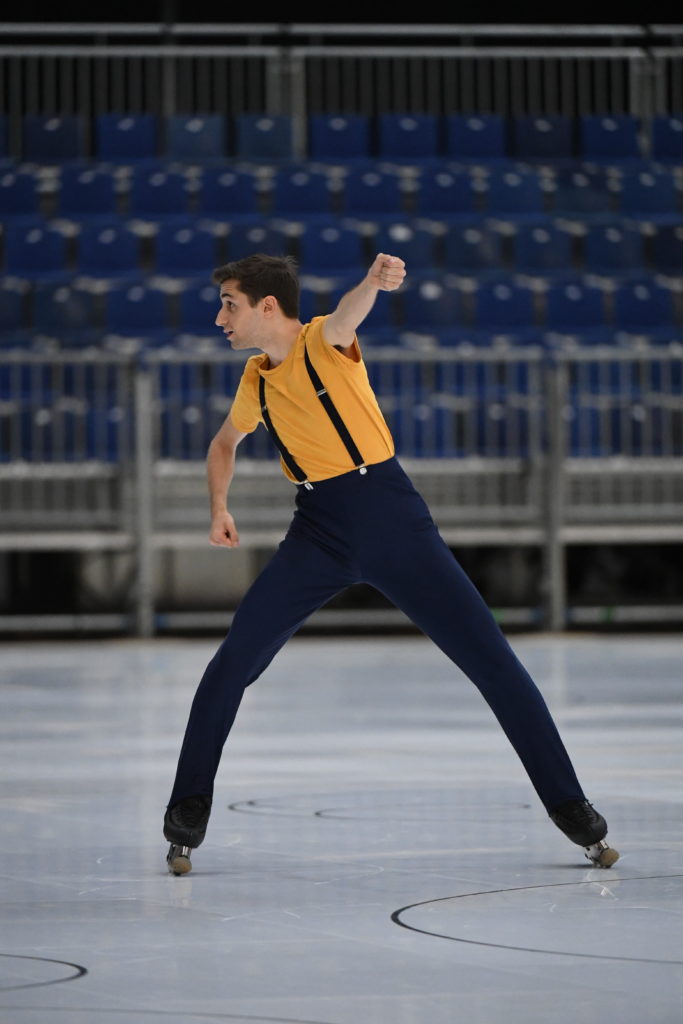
(362,470)
(308,485)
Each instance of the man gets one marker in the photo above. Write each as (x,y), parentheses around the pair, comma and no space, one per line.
(358,518)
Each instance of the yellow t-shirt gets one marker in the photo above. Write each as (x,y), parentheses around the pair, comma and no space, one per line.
(298,415)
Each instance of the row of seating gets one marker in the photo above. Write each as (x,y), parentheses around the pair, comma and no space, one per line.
(43,250)
(78,315)
(434,426)
(224,192)
(429,426)
(132,137)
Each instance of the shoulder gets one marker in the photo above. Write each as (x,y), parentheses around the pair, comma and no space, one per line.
(316,341)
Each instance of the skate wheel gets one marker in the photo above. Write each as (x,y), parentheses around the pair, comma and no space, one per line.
(602,855)
(178,860)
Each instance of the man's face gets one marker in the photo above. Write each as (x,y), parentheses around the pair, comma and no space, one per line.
(241,322)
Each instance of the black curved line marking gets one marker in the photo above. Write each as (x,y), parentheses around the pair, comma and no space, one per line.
(261,806)
(335,813)
(80,972)
(166,1013)
(396,918)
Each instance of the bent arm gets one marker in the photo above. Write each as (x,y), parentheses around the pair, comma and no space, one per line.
(386,274)
(220,466)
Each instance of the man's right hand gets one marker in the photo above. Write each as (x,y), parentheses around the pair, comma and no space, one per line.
(223,531)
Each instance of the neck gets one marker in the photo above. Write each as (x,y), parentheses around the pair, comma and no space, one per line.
(278,346)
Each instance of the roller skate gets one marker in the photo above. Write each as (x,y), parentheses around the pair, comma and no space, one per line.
(185,827)
(581,823)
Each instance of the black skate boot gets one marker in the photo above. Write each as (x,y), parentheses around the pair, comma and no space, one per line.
(581,823)
(185,827)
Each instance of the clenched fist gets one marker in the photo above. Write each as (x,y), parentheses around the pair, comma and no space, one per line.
(387,272)
(223,531)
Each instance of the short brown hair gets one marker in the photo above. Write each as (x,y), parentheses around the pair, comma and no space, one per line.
(260,275)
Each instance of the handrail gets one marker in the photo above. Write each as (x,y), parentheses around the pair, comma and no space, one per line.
(162,51)
(305,28)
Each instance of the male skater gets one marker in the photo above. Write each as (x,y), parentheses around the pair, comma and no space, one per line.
(358,519)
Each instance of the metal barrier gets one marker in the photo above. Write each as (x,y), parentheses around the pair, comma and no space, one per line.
(509,447)
(66,443)
(306,69)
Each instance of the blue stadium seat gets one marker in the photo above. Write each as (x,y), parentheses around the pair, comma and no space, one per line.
(310,305)
(300,191)
(86,192)
(48,138)
(136,309)
(123,138)
(413,244)
(329,248)
(612,249)
(63,310)
(475,137)
(408,136)
(503,304)
(667,249)
(473,249)
(338,137)
(185,251)
(226,191)
(641,306)
(581,192)
(264,136)
(541,249)
(19,197)
(514,193)
(667,139)
(35,250)
(610,138)
(549,137)
(371,191)
(250,236)
(651,194)
(13,303)
(198,137)
(199,305)
(108,250)
(156,194)
(446,192)
(574,306)
(430,303)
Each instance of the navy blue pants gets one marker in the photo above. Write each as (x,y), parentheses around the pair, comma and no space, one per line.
(373,528)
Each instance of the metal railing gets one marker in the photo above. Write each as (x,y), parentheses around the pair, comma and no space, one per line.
(509,447)
(302,69)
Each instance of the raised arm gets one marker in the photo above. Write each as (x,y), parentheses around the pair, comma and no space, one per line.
(220,466)
(385,275)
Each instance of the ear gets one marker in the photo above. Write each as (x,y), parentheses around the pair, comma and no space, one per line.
(270,305)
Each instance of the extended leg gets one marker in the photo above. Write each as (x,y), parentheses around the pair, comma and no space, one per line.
(426,582)
(299,579)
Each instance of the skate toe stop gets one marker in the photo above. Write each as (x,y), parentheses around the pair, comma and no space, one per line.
(601,855)
(180,866)
(178,860)
(608,858)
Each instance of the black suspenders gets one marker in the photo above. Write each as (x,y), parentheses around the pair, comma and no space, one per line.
(331,410)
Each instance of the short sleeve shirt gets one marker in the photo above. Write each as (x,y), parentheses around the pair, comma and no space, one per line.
(297,413)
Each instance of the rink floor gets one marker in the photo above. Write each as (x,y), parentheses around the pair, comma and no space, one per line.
(376,854)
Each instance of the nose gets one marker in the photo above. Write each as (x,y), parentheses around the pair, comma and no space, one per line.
(220,318)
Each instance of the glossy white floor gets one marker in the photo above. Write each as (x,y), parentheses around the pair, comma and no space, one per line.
(375,855)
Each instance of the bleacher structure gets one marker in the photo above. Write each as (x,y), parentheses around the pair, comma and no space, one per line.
(531,367)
